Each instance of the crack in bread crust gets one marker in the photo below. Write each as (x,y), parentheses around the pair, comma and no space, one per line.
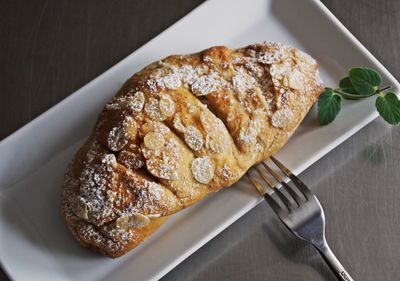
(179,129)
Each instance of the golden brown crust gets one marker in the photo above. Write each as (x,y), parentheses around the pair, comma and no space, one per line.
(179,129)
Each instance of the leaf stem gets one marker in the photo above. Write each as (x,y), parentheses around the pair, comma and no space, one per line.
(383,89)
(347,95)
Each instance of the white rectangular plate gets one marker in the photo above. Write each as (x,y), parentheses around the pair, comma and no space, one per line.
(34,241)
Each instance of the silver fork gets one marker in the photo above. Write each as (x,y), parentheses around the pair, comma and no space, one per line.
(300,212)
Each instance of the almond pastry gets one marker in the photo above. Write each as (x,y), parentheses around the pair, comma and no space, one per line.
(178,130)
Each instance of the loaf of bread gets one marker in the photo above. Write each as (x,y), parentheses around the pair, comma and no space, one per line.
(179,129)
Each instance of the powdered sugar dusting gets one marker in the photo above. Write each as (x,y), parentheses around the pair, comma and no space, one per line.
(249,135)
(193,138)
(116,241)
(177,123)
(109,160)
(148,196)
(95,180)
(282,118)
(207,84)
(270,57)
(201,80)
(152,109)
(154,140)
(226,172)
(318,79)
(256,69)
(152,84)
(166,105)
(155,126)
(242,81)
(118,136)
(131,102)
(171,81)
(131,157)
(187,73)
(216,139)
(203,169)
(163,162)
(162,168)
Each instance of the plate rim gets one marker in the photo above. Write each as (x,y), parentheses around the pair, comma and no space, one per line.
(177,260)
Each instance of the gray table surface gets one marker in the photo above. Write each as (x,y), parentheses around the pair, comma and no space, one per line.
(48,49)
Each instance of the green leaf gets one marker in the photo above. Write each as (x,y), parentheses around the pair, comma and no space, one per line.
(346,86)
(329,105)
(365,81)
(388,106)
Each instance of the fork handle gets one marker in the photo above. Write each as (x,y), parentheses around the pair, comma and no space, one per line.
(334,264)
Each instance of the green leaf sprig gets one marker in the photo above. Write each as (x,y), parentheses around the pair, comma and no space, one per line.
(361,83)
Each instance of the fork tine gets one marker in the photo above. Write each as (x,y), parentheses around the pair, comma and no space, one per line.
(283,168)
(289,205)
(273,204)
(297,182)
(286,186)
(265,178)
(292,193)
(255,182)
(271,201)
